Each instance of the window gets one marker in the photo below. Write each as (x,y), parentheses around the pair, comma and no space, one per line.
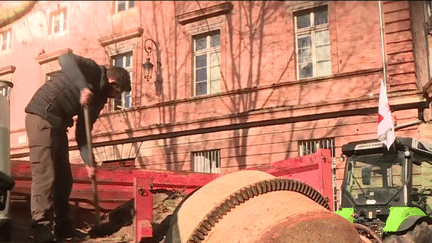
(206,161)
(207,63)
(371,180)
(58,22)
(428,6)
(312,146)
(123,5)
(124,100)
(312,43)
(5,40)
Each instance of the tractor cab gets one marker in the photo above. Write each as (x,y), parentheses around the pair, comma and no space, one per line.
(377,190)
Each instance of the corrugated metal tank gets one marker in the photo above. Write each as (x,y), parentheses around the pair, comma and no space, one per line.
(5,87)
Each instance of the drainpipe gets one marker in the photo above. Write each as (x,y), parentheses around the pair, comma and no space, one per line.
(6,181)
(382,45)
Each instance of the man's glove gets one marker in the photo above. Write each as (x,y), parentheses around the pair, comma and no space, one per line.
(91,171)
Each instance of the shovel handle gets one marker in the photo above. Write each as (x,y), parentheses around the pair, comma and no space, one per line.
(92,163)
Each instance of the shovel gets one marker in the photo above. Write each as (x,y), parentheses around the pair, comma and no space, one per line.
(92,163)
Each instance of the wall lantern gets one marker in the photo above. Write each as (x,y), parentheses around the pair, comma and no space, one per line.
(148,66)
(148,69)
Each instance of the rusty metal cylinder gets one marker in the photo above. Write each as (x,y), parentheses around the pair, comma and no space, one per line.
(270,215)
(283,216)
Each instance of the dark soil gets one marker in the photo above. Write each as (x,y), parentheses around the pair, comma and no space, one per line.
(115,226)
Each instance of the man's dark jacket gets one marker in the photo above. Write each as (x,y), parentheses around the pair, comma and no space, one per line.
(57,101)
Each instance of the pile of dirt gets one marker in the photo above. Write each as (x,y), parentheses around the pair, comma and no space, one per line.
(115,226)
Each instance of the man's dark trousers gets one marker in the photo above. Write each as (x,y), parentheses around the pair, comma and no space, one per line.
(51,171)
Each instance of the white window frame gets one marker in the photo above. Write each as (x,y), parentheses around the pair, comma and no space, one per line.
(62,15)
(127,5)
(208,51)
(207,161)
(124,95)
(312,30)
(8,40)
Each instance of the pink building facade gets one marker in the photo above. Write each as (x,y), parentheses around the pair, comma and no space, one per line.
(235,84)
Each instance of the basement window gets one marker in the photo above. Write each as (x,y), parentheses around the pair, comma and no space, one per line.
(206,161)
(311,146)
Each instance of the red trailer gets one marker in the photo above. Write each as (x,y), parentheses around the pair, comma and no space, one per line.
(119,185)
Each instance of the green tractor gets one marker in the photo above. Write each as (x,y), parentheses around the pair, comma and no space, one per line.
(378,193)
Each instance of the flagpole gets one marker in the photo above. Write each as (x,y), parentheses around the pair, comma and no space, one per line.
(382,45)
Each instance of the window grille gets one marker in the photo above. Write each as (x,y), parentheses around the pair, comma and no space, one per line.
(312,146)
(312,43)
(123,100)
(206,161)
(124,5)
(207,73)
(5,40)
(119,163)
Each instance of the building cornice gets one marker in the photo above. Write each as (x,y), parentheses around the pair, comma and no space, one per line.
(44,58)
(295,6)
(7,70)
(122,36)
(205,13)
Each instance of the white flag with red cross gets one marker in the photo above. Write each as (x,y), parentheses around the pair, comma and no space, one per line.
(386,132)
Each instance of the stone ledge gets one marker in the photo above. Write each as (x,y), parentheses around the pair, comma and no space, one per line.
(205,13)
(44,58)
(7,70)
(122,36)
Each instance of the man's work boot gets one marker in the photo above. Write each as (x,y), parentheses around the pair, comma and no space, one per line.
(43,234)
(66,232)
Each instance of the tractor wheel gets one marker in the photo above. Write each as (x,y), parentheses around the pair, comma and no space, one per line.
(422,233)
(367,234)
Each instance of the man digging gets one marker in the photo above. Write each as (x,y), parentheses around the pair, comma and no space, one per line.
(81,82)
